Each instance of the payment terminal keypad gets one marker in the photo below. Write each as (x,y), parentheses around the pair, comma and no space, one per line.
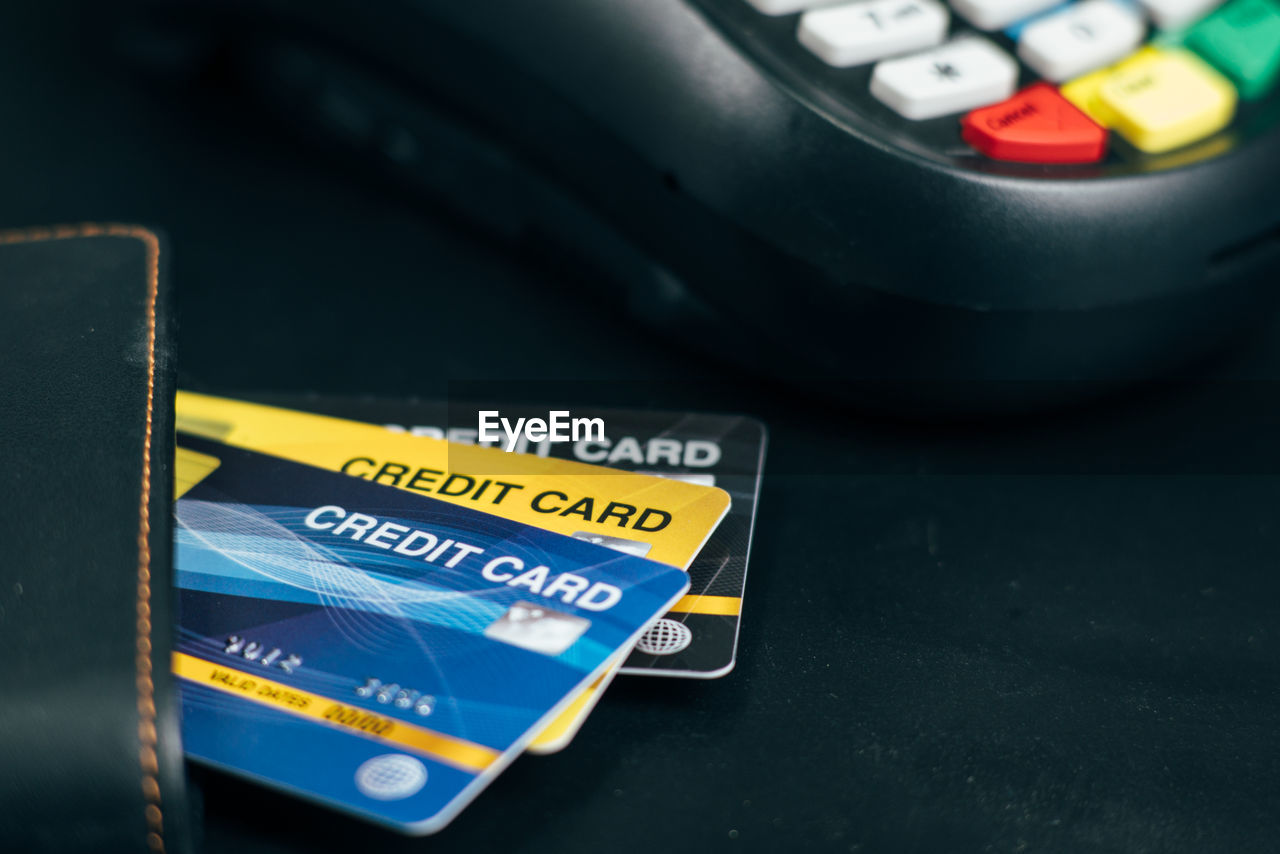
(1048,82)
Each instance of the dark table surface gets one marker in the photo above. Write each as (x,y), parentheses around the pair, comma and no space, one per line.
(1055,633)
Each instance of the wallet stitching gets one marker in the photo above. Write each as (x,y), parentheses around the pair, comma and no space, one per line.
(147,736)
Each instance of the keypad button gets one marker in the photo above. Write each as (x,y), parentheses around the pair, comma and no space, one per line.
(1175,14)
(1037,125)
(1086,36)
(1014,30)
(1243,40)
(862,32)
(958,76)
(788,7)
(1083,91)
(1163,99)
(998,14)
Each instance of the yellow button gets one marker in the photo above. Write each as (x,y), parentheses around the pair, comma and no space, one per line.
(1162,99)
(1083,91)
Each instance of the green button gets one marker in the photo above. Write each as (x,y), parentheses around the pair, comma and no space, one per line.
(1243,40)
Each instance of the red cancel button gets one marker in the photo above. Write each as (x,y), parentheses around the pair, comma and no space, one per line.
(1037,125)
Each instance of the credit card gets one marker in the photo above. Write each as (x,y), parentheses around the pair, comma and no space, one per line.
(699,638)
(385,653)
(661,519)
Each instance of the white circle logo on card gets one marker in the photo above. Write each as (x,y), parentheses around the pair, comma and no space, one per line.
(666,637)
(391,777)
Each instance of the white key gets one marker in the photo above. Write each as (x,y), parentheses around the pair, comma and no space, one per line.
(1079,39)
(864,32)
(787,7)
(959,76)
(1175,14)
(998,14)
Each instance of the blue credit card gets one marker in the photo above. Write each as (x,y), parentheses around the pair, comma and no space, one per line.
(382,652)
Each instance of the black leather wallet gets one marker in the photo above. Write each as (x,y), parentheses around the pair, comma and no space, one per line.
(89,752)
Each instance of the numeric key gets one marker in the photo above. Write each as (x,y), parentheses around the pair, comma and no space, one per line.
(857,33)
(958,76)
(1080,38)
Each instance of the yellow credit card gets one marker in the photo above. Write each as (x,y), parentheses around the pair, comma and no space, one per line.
(657,518)
(653,517)
(190,468)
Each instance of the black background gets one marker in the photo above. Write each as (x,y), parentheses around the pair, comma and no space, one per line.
(1055,633)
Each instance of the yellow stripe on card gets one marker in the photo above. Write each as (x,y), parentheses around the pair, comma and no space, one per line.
(190,468)
(723,606)
(251,686)
(557,734)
